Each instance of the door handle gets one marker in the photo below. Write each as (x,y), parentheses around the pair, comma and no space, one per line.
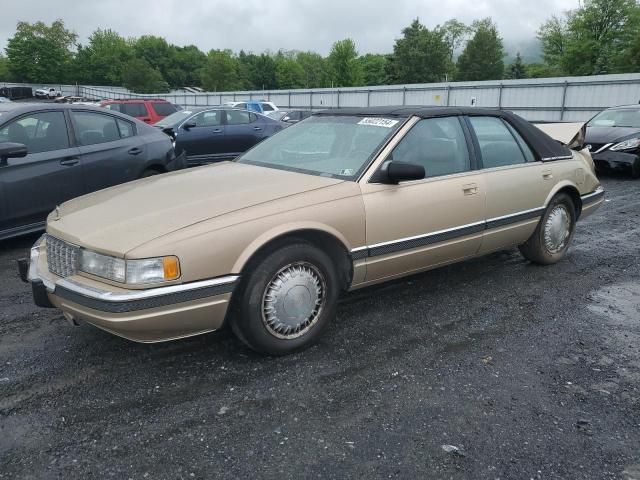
(217,130)
(547,174)
(257,129)
(135,151)
(470,189)
(69,161)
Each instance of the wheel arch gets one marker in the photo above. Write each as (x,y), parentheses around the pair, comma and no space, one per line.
(571,190)
(322,236)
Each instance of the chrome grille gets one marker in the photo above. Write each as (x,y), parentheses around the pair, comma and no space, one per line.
(62,257)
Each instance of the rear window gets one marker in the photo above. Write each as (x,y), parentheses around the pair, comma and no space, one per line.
(164,109)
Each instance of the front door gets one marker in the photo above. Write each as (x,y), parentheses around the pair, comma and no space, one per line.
(204,142)
(50,174)
(420,224)
(243,130)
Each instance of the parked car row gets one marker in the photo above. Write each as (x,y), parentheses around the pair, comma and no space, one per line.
(50,153)
(210,134)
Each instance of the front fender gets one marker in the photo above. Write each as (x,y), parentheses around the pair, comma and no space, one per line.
(287,229)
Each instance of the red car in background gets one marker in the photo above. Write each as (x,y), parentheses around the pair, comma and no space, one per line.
(148,110)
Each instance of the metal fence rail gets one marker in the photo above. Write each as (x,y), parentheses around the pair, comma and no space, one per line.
(550,99)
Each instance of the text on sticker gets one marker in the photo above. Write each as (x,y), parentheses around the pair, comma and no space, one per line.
(378,122)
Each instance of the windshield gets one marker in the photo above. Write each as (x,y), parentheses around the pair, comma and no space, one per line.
(331,146)
(174,118)
(627,117)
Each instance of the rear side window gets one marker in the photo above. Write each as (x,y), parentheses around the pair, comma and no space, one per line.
(437,144)
(40,132)
(134,109)
(93,128)
(113,106)
(498,146)
(267,108)
(126,129)
(164,109)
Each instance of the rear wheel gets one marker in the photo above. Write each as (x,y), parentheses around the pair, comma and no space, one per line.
(551,238)
(635,169)
(287,300)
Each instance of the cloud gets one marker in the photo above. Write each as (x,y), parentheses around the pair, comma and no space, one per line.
(257,25)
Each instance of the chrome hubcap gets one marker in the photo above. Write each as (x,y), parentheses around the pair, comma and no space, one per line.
(293,300)
(557,229)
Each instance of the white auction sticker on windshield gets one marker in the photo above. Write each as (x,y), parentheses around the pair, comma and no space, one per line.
(378,122)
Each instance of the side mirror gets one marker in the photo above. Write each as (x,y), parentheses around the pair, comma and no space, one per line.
(189,125)
(393,172)
(12,150)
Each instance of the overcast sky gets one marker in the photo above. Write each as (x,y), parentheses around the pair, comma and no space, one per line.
(258,25)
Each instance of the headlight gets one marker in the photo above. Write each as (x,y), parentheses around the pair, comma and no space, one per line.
(627,144)
(148,270)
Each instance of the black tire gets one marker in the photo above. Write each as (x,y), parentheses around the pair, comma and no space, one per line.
(635,169)
(150,172)
(538,249)
(252,318)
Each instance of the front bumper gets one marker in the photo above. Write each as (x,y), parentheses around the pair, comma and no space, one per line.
(150,315)
(616,161)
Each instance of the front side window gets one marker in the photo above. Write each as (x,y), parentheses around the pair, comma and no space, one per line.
(93,128)
(498,146)
(210,118)
(328,145)
(40,132)
(238,117)
(437,144)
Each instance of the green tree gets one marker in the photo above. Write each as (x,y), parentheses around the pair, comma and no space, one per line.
(343,64)
(102,61)
(221,72)
(517,69)
(40,53)
(139,76)
(553,37)
(542,70)
(593,39)
(455,33)
(482,58)
(374,69)
(289,73)
(4,69)
(421,55)
(315,69)
(184,67)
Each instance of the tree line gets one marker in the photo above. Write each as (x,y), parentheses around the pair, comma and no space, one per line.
(601,36)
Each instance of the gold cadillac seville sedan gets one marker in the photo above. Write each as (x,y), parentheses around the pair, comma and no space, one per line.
(345,199)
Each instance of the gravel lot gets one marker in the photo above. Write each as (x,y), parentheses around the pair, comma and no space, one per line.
(531,372)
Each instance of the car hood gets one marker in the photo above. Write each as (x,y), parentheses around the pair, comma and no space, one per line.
(118,219)
(610,134)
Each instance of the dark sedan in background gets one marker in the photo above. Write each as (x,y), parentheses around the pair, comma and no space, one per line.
(51,153)
(211,134)
(613,136)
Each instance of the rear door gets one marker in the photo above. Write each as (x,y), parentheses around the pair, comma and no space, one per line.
(243,130)
(517,183)
(111,151)
(50,174)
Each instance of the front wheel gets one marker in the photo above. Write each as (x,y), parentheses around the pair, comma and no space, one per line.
(551,238)
(287,300)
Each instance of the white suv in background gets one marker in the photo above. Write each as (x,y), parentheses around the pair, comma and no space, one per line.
(254,106)
(47,93)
